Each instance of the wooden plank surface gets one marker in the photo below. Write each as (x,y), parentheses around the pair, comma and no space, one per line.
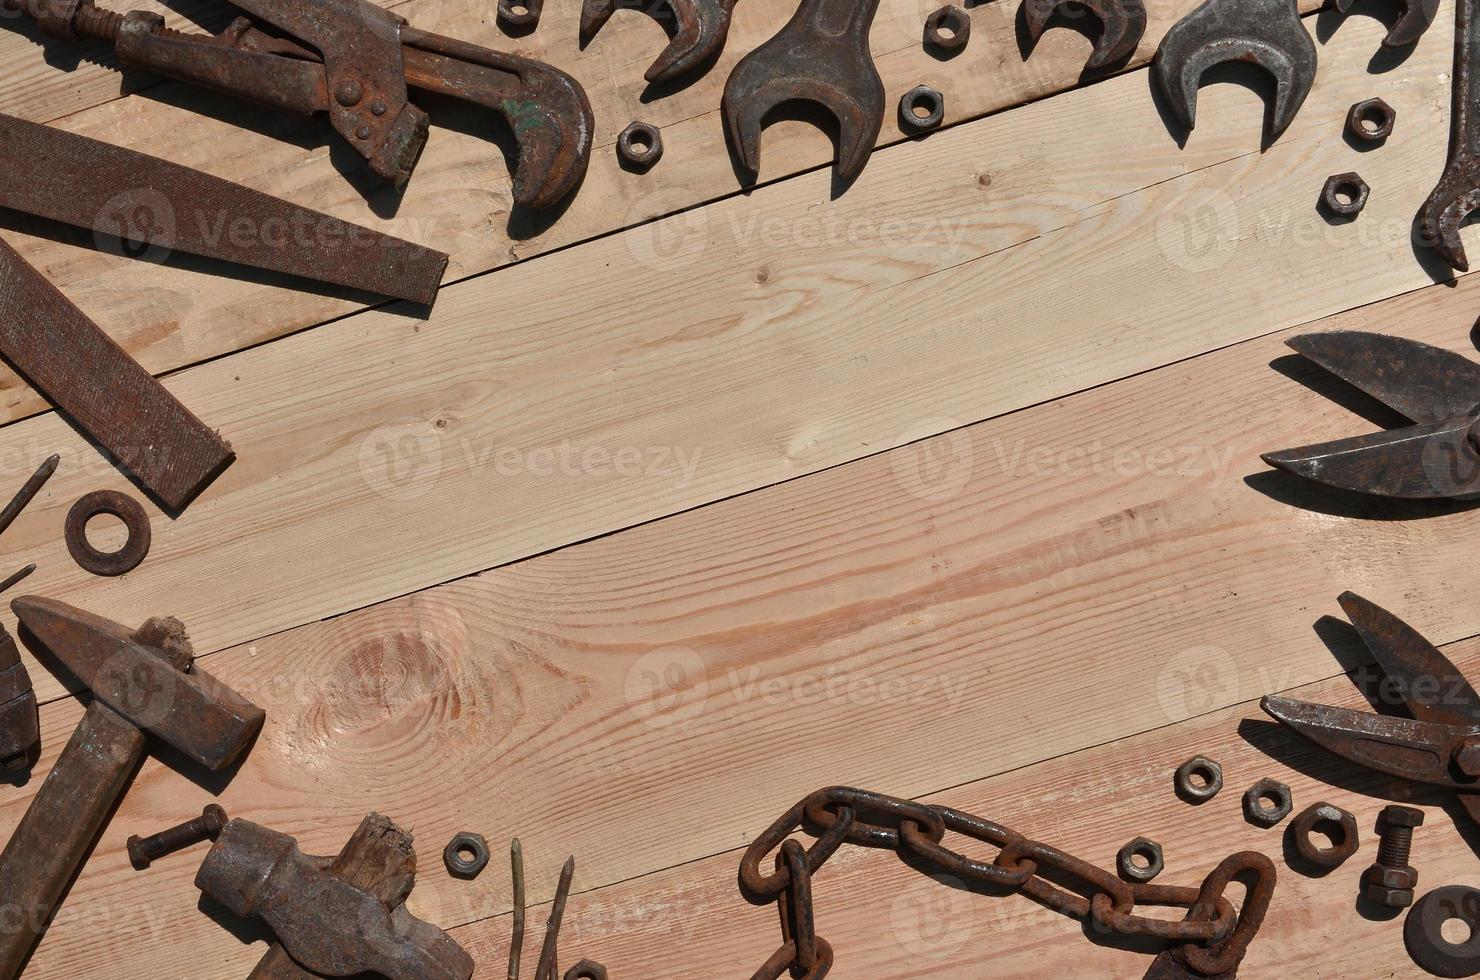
(570,396)
(651,698)
(459,201)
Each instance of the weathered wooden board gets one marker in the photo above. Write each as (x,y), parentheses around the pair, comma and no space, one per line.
(1064,577)
(614,383)
(459,201)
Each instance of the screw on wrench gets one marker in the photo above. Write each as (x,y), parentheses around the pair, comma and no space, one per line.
(820,56)
(1267,33)
(1124,25)
(1416,17)
(702,26)
(1458,192)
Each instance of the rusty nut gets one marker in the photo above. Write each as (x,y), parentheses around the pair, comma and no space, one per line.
(1267,802)
(466,855)
(641,145)
(922,108)
(1390,887)
(1345,195)
(1343,830)
(948,29)
(1149,852)
(1199,779)
(1371,121)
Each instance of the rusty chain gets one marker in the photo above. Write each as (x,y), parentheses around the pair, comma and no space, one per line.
(1212,938)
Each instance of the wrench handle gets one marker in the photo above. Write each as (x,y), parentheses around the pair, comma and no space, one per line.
(1466,136)
(840,18)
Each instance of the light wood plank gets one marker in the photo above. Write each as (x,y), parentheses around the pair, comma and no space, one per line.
(1056,579)
(459,201)
(602,387)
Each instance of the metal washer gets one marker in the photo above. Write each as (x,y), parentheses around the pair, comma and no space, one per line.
(115,504)
(1423,935)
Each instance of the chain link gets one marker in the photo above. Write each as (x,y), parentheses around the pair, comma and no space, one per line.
(1213,937)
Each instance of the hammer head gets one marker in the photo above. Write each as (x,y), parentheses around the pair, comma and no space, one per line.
(146,678)
(20,731)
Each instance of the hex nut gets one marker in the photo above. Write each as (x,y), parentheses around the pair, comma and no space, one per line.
(1146,849)
(466,855)
(1199,779)
(1371,121)
(520,14)
(1345,195)
(1263,814)
(922,108)
(1346,839)
(641,145)
(948,29)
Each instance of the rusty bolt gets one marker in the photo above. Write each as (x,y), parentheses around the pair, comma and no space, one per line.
(1345,195)
(1371,120)
(1267,802)
(1391,879)
(1345,840)
(1148,851)
(1199,779)
(466,855)
(641,145)
(208,826)
(948,29)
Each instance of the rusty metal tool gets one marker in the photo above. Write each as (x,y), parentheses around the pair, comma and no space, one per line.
(1436,389)
(1123,24)
(699,37)
(143,683)
(1457,195)
(1267,33)
(354,61)
(144,851)
(821,56)
(28,492)
(1411,24)
(16,577)
(1438,745)
(333,917)
(20,723)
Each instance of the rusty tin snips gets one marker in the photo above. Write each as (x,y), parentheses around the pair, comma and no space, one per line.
(1439,745)
(355,61)
(1437,457)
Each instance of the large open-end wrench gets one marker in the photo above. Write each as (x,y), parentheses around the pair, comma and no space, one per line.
(820,56)
(1458,193)
(703,26)
(1416,17)
(1267,33)
(1124,24)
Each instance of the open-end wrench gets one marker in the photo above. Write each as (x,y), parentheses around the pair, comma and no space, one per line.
(1458,193)
(1416,17)
(703,26)
(1124,25)
(821,56)
(1267,33)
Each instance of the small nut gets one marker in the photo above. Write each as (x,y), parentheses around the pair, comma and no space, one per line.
(641,145)
(520,14)
(466,855)
(1371,121)
(948,29)
(1267,802)
(1345,839)
(1345,195)
(1148,851)
(922,108)
(1199,779)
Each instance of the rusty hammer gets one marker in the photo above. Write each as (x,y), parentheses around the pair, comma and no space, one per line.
(142,683)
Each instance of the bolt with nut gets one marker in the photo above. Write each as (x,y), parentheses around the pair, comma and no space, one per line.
(208,826)
(1391,880)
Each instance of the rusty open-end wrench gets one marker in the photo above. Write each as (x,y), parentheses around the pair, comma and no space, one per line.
(702,28)
(1267,33)
(1416,17)
(1124,24)
(821,56)
(1458,193)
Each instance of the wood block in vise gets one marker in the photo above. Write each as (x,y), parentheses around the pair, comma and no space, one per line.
(333,917)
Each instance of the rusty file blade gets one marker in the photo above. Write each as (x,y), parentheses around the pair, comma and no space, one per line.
(191,711)
(66,357)
(114,191)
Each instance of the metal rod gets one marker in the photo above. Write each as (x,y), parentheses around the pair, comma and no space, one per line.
(516,945)
(27,493)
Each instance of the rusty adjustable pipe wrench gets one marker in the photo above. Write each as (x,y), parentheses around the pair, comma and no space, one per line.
(142,684)
(354,61)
